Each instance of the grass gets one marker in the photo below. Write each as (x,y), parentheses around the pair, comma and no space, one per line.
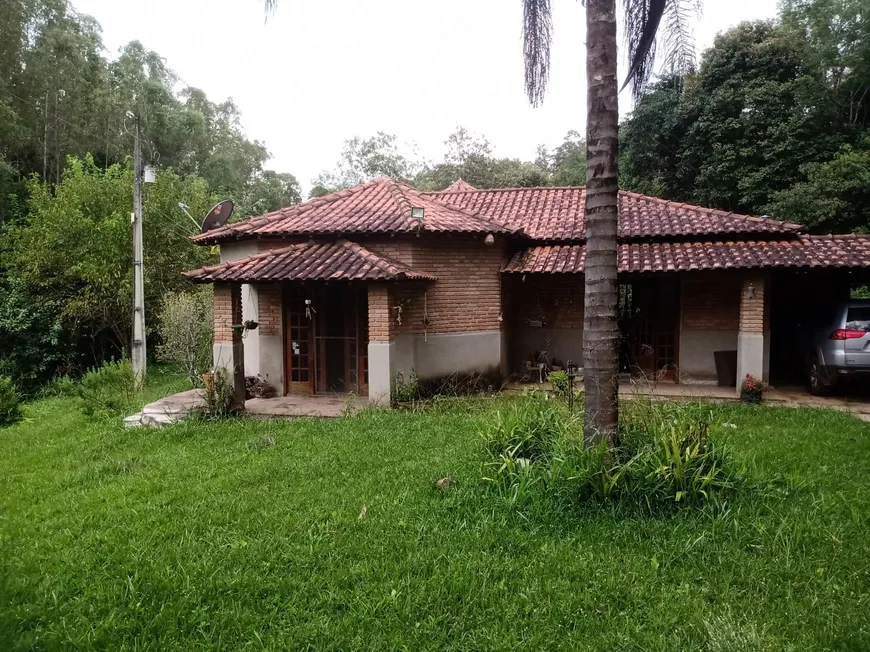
(246,535)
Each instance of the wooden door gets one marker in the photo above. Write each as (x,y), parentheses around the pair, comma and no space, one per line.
(298,341)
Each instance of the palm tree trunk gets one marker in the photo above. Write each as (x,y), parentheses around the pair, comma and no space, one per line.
(600,330)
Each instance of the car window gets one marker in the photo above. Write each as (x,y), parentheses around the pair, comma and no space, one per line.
(858,319)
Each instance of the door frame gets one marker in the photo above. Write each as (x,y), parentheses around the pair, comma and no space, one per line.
(295,319)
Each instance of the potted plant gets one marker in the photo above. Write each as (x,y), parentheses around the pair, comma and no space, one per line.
(752,389)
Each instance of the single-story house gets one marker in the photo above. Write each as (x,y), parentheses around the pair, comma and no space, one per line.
(351,289)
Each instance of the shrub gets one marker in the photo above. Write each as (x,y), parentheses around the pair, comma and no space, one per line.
(665,457)
(752,390)
(519,438)
(219,397)
(560,381)
(109,390)
(526,429)
(10,402)
(406,390)
(187,332)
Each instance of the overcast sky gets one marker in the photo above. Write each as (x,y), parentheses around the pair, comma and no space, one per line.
(317,73)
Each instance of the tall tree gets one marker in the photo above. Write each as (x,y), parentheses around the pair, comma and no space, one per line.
(742,133)
(642,19)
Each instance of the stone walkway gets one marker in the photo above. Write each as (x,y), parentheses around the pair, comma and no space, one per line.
(176,406)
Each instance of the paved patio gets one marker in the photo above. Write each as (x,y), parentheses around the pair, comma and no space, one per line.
(176,406)
(856,402)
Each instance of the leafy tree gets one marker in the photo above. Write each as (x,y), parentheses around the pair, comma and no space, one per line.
(469,157)
(835,196)
(73,255)
(363,159)
(566,165)
(269,191)
(744,133)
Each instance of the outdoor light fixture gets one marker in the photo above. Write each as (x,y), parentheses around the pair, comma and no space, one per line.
(490,239)
(417,212)
(750,291)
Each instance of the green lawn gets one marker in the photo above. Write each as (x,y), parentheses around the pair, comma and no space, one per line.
(200,537)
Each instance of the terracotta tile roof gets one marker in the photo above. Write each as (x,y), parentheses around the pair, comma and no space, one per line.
(338,260)
(379,206)
(846,251)
(558,214)
(460,185)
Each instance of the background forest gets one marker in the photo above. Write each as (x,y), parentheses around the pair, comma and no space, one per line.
(773,122)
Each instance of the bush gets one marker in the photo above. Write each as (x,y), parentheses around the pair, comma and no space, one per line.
(109,390)
(187,332)
(406,390)
(219,397)
(752,390)
(665,457)
(10,402)
(560,381)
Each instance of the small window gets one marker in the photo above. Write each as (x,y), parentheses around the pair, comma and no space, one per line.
(858,319)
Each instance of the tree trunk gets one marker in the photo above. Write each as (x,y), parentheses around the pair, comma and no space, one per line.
(600,330)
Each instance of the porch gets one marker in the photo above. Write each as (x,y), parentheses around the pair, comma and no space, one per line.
(673,323)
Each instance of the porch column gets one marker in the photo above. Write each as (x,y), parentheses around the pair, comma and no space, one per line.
(229,350)
(269,336)
(753,339)
(380,344)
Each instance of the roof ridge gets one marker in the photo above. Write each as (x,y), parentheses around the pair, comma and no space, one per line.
(478,217)
(258,221)
(463,192)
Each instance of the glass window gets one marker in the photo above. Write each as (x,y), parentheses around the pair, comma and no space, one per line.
(858,319)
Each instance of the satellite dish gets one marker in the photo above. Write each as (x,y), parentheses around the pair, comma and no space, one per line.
(218,215)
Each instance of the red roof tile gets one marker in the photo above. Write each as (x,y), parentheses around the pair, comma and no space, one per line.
(379,206)
(339,260)
(460,185)
(806,251)
(558,214)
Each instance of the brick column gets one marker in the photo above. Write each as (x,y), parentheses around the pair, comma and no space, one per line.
(381,334)
(753,339)
(229,351)
(269,339)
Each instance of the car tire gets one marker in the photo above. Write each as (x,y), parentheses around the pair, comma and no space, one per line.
(818,386)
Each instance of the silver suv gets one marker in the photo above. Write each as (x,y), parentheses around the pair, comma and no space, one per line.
(841,350)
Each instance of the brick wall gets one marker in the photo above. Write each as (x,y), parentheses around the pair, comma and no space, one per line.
(467,294)
(753,310)
(269,295)
(223,313)
(710,302)
(380,323)
(555,299)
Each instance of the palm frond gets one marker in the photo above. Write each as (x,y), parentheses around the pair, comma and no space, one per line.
(537,34)
(642,20)
(679,44)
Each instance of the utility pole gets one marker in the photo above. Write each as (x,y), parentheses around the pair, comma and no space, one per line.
(138,344)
